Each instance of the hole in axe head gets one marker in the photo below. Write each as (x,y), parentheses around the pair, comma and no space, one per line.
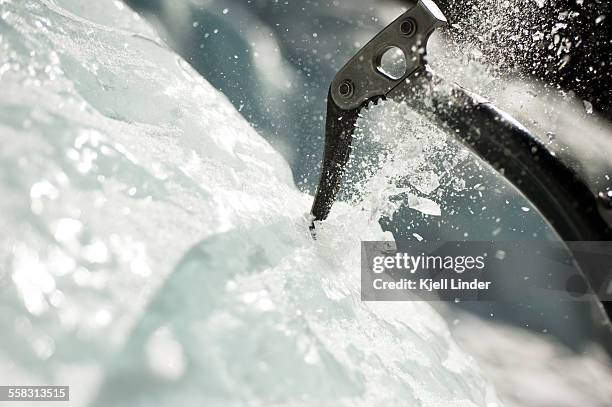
(346,89)
(392,63)
(408,27)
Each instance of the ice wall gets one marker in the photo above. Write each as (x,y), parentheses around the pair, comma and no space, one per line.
(154,250)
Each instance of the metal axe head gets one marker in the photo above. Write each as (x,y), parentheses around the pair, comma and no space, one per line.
(362,80)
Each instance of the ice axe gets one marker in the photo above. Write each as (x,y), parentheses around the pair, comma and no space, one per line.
(574,211)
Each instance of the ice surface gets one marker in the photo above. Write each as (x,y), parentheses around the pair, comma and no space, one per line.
(155,250)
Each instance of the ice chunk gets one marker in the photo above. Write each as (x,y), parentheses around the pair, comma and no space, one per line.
(425,182)
(424,205)
(396,147)
(458,184)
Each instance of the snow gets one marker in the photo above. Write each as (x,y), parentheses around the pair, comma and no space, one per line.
(156,251)
(401,159)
